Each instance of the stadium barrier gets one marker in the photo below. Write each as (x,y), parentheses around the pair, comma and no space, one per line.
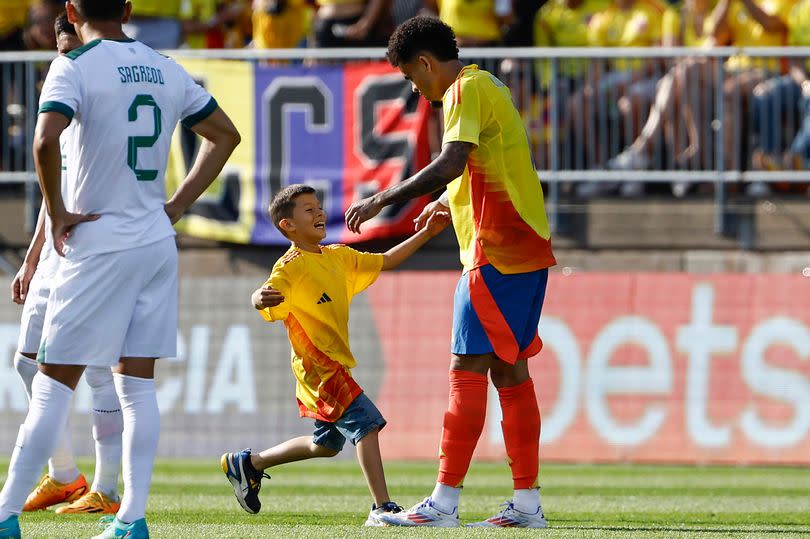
(582,107)
(644,367)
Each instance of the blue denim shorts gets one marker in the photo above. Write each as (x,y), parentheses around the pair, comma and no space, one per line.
(360,418)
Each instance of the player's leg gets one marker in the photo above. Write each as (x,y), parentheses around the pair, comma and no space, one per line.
(361,423)
(151,333)
(465,416)
(63,482)
(521,413)
(52,391)
(51,387)
(108,425)
(135,385)
(245,470)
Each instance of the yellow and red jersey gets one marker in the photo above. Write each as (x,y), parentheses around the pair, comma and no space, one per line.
(318,289)
(497,203)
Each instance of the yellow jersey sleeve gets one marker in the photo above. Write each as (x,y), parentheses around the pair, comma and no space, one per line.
(279,280)
(462,112)
(362,269)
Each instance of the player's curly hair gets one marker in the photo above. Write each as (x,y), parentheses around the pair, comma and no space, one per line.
(283,203)
(422,34)
(62,25)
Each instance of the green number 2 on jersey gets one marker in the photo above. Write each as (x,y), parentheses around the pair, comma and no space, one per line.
(133,143)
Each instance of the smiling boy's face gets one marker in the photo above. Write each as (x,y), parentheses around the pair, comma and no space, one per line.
(308,221)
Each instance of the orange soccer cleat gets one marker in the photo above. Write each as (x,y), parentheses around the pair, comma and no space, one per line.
(50,492)
(92,502)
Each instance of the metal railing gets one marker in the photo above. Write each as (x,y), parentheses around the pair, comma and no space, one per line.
(582,107)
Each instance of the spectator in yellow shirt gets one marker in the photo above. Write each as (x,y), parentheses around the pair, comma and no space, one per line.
(746,23)
(625,23)
(476,23)
(564,23)
(675,100)
(280,24)
(781,99)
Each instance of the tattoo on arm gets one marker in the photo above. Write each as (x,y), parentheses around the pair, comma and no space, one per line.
(446,168)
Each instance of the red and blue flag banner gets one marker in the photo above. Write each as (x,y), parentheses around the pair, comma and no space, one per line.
(347,130)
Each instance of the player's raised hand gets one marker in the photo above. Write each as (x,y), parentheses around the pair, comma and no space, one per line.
(360,212)
(437,222)
(265,297)
(62,226)
(430,209)
(19,286)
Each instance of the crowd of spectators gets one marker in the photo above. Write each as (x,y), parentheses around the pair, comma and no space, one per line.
(657,113)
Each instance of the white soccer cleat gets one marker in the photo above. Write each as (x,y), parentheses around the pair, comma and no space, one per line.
(510,517)
(422,514)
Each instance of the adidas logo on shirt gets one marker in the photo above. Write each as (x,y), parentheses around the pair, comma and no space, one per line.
(324,299)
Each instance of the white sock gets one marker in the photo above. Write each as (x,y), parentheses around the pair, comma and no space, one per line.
(527,500)
(108,424)
(47,412)
(445,498)
(140,439)
(62,464)
(26,368)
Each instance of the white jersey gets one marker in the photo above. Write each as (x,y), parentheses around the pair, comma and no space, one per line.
(125,100)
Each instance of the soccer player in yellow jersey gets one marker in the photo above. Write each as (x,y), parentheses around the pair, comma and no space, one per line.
(310,289)
(496,203)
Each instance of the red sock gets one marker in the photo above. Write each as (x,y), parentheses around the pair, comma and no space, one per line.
(521,432)
(463,423)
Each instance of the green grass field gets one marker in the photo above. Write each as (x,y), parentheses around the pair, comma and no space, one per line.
(329,499)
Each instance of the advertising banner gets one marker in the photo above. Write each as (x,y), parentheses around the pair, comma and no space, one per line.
(347,130)
(644,367)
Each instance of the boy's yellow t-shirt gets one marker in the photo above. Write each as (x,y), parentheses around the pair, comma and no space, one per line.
(318,289)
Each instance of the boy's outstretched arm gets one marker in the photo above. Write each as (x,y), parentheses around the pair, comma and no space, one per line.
(400,253)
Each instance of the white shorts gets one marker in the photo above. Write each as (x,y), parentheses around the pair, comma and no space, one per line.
(36,301)
(112,305)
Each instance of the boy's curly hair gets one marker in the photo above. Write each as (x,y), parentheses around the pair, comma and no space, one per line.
(422,34)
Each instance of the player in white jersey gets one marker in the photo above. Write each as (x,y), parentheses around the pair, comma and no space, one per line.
(31,287)
(114,296)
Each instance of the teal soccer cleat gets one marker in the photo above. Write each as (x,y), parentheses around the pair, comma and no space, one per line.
(133,530)
(10,528)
